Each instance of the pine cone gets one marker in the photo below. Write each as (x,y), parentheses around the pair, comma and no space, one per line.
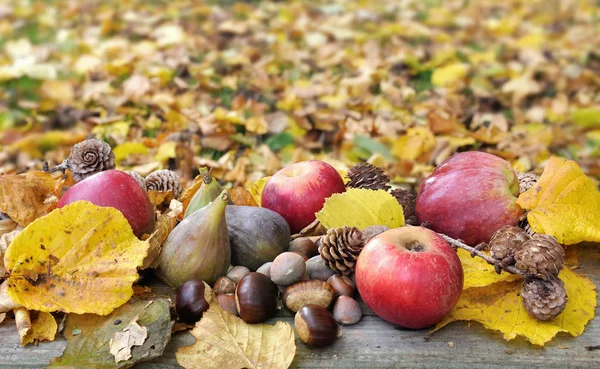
(524,225)
(542,257)
(340,247)
(526,181)
(408,200)
(505,242)
(544,299)
(164,180)
(90,157)
(367,175)
(140,180)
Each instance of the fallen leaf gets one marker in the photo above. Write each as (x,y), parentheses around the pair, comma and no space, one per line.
(564,203)
(89,335)
(22,321)
(416,142)
(478,273)
(6,303)
(81,258)
(5,241)
(25,197)
(43,328)
(499,307)
(256,189)
(587,118)
(123,150)
(162,228)
(361,208)
(449,75)
(122,342)
(160,197)
(242,197)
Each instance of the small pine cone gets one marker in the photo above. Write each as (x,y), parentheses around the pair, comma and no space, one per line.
(505,242)
(340,247)
(526,181)
(544,299)
(164,180)
(90,157)
(367,175)
(542,257)
(408,200)
(524,224)
(140,180)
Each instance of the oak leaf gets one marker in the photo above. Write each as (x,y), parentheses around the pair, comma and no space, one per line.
(81,258)
(361,208)
(499,307)
(25,197)
(564,203)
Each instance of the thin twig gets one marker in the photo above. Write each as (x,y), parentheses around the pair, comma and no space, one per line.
(62,167)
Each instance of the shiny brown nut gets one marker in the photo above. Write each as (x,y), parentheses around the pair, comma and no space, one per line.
(227,302)
(308,293)
(316,326)
(346,310)
(190,302)
(317,269)
(287,268)
(256,298)
(237,273)
(342,285)
(304,246)
(224,285)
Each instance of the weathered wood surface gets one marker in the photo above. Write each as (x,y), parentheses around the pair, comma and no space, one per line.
(373,343)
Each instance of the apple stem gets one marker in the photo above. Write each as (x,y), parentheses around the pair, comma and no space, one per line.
(62,167)
(476,252)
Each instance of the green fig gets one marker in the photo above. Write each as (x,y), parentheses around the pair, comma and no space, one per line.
(198,247)
(207,193)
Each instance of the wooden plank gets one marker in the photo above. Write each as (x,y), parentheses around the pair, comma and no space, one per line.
(373,343)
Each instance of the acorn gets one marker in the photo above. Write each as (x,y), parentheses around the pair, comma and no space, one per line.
(317,269)
(316,326)
(342,285)
(265,269)
(256,298)
(237,273)
(227,302)
(305,246)
(287,268)
(224,285)
(346,310)
(190,302)
(308,293)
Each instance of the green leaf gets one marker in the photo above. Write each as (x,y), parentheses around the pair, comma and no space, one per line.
(373,147)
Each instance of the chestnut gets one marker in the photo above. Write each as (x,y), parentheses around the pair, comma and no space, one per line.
(308,293)
(227,302)
(190,301)
(265,269)
(287,268)
(343,286)
(305,246)
(316,326)
(237,272)
(317,269)
(346,310)
(256,298)
(224,285)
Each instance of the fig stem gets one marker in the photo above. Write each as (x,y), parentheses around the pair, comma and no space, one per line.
(62,167)
(476,252)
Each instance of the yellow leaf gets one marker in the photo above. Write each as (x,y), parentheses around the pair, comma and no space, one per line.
(361,208)
(449,75)
(35,144)
(81,258)
(43,328)
(257,124)
(117,130)
(129,148)
(564,203)
(587,118)
(163,227)
(478,273)
(226,341)
(166,151)
(257,187)
(499,307)
(416,142)
(58,91)
(160,197)
(242,197)
(25,197)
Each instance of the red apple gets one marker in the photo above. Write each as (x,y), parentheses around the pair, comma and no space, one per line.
(119,190)
(469,197)
(298,191)
(409,276)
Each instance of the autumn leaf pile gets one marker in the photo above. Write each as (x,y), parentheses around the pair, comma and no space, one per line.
(246,88)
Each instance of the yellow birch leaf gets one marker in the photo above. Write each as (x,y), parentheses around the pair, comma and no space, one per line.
(416,142)
(564,203)
(43,328)
(449,75)
(478,273)
(81,258)
(160,197)
(25,197)
(256,189)
(226,341)
(166,151)
(361,208)
(499,307)
(123,151)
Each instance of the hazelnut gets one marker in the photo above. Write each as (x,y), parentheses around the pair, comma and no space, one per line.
(342,285)
(304,246)
(256,298)
(317,269)
(224,285)
(227,302)
(237,273)
(287,268)
(316,326)
(346,310)
(265,269)
(191,301)
(308,292)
